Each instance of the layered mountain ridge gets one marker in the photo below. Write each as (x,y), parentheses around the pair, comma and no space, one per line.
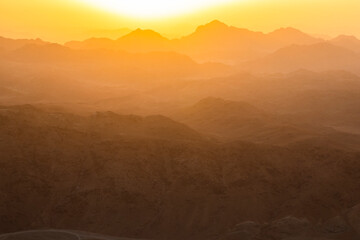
(151,186)
(223,134)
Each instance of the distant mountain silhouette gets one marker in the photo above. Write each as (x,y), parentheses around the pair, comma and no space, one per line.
(215,25)
(326,99)
(288,36)
(316,57)
(216,31)
(140,34)
(220,35)
(160,63)
(345,41)
(12,44)
(143,41)
(135,41)
(214,41)
(109,33)
(92,43)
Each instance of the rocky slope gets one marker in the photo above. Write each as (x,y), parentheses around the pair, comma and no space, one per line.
(55,175)
(53,234)
(342,227)
(232,120)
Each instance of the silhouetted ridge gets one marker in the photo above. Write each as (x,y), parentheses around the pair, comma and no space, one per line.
(215,25)
(345,37)
(211,42)
(289,35)
(321,56)
(12,44)
(103,123)
(346,41)
(288,31)
(325,49)
(140,33)
(91,43)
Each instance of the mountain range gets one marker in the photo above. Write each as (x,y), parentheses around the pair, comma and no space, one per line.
(210,42)
(318,57)
(156,185)
(223,134)
(283,50)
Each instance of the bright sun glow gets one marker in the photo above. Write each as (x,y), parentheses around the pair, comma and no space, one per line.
(153,8)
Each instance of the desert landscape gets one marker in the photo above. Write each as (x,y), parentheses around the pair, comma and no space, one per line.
(224,133)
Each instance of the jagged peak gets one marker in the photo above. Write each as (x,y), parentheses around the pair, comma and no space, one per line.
(39,40)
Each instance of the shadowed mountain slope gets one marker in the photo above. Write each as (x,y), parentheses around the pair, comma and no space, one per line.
(232,120)
(133,138)
(149,187)
(103,123)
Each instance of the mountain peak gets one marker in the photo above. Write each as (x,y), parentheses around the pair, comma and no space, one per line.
(147,33)
(216,25)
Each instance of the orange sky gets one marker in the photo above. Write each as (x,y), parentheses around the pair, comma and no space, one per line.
(62,20)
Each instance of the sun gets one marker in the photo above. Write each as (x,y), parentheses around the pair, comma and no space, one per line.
(153,8)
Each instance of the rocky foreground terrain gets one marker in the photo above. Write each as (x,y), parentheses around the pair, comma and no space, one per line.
(154,178)
(52,234)
(344,226)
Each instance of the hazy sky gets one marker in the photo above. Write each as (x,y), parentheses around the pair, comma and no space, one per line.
(62,20)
